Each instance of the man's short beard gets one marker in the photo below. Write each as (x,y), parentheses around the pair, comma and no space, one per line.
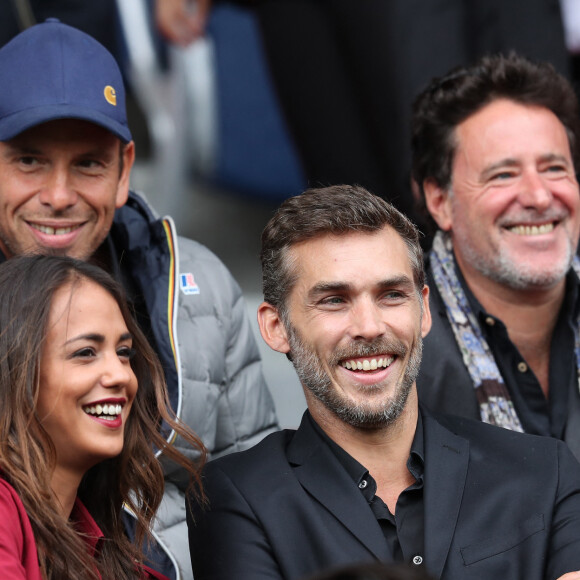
(503,270)
(364,415)
(501,266)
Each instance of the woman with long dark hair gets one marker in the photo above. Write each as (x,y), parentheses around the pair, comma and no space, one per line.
(83,413)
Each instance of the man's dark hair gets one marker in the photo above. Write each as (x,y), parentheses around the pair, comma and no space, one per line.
(450,100)
(337,209)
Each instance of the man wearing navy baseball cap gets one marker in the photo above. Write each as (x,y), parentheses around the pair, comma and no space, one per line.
(66,153)
(62,103)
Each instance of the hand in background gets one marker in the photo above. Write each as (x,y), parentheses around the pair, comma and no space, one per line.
(182,21)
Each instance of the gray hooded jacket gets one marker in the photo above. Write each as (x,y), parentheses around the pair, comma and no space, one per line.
(202,334)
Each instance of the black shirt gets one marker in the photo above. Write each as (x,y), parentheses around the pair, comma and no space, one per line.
(403,531)
(537,414)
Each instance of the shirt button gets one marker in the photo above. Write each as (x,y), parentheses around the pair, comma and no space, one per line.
(363,484)
(490,321)
(417,560)
(522,367)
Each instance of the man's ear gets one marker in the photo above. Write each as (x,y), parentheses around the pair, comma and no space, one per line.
(426,318)
(438,204)
(272,328)
(128,155)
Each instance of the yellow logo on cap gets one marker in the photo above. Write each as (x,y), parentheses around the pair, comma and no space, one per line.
(111,95)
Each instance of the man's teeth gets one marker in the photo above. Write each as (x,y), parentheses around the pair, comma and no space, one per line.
(109,412)
(53,231)
(532,230)
(371,364)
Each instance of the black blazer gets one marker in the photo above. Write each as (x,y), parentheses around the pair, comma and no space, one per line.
(444,385)
(498,505)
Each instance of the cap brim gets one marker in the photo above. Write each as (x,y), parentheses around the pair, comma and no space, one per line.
(20,121)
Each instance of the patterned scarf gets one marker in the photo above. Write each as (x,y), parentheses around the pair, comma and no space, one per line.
(495,404)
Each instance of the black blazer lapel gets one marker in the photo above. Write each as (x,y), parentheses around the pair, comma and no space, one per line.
(322,476)
(572,432)
(446,464)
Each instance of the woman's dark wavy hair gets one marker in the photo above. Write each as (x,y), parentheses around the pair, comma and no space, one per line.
(27,455)
(450,100)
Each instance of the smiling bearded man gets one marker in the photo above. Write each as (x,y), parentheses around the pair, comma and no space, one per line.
(312,375)
(369,474)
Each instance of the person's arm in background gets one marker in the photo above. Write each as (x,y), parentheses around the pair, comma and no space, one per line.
(182,21)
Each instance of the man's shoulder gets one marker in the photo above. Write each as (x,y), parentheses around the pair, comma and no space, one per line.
(210,274)
(266,456)
(145,230)
(492,440)
(191,250)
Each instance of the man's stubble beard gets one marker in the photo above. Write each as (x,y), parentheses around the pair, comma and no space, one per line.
(504,270)
(363,415)
(502,267)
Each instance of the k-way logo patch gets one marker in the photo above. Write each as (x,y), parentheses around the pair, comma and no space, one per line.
(187,284)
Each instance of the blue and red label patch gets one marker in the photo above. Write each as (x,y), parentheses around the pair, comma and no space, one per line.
(187,284)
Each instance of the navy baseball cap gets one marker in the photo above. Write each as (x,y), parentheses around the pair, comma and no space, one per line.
(54,71)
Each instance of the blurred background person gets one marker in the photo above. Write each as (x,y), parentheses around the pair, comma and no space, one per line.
(346,75)
(99,19)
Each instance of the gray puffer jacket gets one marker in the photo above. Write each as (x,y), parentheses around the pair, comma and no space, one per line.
(203,336)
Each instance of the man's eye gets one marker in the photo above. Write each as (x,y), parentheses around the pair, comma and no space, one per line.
(332,300)
(89,164)
(503,175)
(394,294)
(28,160)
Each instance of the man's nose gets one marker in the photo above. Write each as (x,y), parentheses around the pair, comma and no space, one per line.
(367,321)
(58,192)
(535,192)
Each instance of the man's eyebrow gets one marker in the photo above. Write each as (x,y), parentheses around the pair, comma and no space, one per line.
(326,287)
(504,163)
(24,149)
(509,162)
(555,157)
(399,281)
(29,149)
(99,152)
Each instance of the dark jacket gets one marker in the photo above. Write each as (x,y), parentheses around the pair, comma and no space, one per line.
(444,385)
(498,504)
